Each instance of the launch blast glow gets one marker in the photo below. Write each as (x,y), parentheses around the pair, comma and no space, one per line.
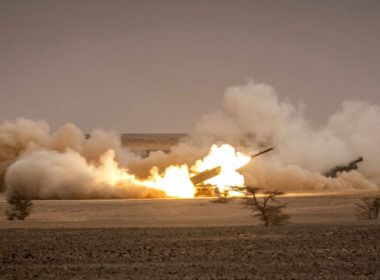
(176,180)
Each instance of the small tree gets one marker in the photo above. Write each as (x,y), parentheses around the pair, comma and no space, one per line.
(222,196)
(268,209)
(369,208)
(19,207)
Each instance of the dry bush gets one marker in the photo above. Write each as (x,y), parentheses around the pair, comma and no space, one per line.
(223,197)
(268,209)
(368,209)
(19,207)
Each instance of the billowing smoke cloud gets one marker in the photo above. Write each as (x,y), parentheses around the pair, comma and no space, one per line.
(63,164)
(50,174)
(68,164)
(254,114)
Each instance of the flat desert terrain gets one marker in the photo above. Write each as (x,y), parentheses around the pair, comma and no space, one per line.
(189,239)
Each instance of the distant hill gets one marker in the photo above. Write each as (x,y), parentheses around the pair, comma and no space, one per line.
(143,143)
(155,136)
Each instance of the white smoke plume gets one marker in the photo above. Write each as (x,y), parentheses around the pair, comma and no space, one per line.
(49,174)
(68,164)
(63,164)
(255,115)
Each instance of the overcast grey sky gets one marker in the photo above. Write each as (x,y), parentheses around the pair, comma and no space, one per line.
(156,66)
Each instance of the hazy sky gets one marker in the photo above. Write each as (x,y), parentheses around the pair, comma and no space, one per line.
(156,66)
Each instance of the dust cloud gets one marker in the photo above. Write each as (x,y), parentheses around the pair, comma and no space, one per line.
(69,164)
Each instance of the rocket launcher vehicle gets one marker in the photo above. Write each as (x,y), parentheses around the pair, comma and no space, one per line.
(333,172)
(210,173)
(205,175)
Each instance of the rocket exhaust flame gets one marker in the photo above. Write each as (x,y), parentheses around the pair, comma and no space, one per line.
(218,168)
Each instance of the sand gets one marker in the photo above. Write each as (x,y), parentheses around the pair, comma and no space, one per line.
(189,239)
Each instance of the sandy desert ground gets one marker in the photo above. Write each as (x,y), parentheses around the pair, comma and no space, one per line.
(189,239)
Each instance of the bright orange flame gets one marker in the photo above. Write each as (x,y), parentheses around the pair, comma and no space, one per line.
(229,160)
(175,180)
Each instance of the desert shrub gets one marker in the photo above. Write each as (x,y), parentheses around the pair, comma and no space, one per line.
(223,197)
(19,207)
(268,209)
(368,209)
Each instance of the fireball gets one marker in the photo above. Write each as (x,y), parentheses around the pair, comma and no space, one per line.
(175,181)
(229,160)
